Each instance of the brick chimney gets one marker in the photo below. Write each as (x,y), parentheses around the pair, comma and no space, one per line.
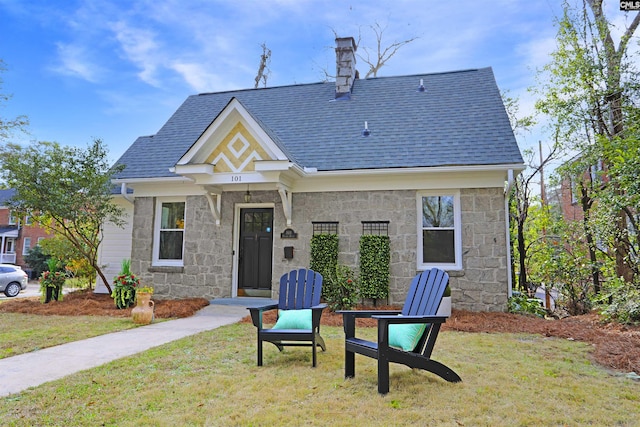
(346,71)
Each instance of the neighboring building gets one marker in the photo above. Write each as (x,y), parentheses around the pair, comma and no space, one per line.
(228,193)
(594,175)
(17,235)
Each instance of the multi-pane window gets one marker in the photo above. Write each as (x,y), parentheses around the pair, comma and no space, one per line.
(26,245)
(168,249)
(439,233)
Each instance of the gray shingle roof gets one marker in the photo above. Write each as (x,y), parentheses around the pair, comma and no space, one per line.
(459,120)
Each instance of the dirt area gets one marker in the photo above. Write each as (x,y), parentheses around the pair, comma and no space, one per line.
(87,303)
(614,346)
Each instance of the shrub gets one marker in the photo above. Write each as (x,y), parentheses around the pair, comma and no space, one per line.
(521,304)
(36,259)
(324,256)
(51,282)
(374,266)
(340,289)
(620,301)
(125,284)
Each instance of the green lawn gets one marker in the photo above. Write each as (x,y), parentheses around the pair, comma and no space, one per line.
(211,379)
(22,333)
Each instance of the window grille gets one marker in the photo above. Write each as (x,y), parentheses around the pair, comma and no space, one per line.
(378,228)
(325,227)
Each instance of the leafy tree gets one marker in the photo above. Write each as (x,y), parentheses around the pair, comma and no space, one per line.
(521,201)
(37,259)
(589,90)
(65,189)
(60,248)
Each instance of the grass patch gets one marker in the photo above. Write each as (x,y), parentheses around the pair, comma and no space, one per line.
(22,333)
(212,379)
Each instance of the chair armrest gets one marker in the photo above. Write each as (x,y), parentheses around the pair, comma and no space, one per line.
(256,313)
(349,318)
(411,319)
(316,314)
(366,313)
(264,307)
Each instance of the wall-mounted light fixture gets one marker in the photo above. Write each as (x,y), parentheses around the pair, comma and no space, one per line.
(247,196)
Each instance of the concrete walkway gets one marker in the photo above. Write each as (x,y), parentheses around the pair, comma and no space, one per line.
(32,369)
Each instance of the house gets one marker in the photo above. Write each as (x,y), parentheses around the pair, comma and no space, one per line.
(227,195)
(18,235)
(571,188)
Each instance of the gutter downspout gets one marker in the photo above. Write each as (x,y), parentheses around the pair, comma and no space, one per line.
(507,189)
(123,193)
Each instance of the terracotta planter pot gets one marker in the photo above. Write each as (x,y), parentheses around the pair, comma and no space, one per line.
(143,312)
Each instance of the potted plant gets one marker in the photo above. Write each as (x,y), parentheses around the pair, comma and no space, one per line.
(51,282)
(445,304)
(124,286)
(142,313)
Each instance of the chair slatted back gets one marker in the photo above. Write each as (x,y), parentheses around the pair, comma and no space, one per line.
(300,289)
(425,293)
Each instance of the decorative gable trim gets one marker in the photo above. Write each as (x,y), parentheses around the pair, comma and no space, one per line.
(233,127)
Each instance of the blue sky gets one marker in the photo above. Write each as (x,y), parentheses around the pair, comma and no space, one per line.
(116,70)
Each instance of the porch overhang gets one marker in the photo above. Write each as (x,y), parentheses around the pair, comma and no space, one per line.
(278,175)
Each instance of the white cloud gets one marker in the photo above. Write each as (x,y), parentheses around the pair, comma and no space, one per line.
(74,62)
(200,79)
(139,47)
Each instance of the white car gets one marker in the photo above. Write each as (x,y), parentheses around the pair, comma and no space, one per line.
(12,279)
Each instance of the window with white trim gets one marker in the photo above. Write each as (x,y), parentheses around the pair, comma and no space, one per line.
(12,218)
(168,248)
(439,230)
(26,245)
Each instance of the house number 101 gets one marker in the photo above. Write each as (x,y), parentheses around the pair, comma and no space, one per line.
(236,178)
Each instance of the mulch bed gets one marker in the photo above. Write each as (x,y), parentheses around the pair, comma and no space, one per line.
(615,346)
(88,303)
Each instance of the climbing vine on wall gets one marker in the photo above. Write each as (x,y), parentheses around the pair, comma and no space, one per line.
(374,266)
(324,255)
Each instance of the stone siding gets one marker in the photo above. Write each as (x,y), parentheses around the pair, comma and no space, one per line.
(208,269)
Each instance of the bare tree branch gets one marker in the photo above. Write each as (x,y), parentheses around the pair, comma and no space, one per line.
(263,68)
(383,54)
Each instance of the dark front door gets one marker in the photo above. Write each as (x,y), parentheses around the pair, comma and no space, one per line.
(255,252)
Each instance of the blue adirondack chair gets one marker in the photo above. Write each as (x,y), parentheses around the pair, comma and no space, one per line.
(299,312)
(415,329)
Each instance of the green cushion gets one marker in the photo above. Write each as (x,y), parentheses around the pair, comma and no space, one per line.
(294,319)
(406,335)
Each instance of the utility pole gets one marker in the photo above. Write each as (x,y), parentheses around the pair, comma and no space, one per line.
(543,198)
(543,205)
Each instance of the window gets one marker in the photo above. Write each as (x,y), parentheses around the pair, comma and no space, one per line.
(11,246)
(169,232)
(439,230)
(12,218)
(573,187)
(26,245)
